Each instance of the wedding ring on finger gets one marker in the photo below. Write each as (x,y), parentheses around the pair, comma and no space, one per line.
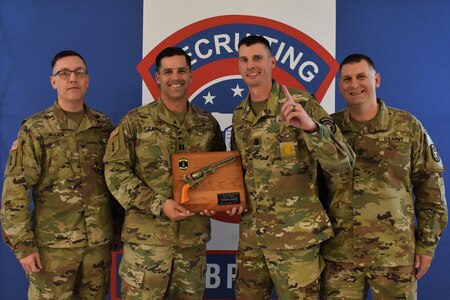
(294,108)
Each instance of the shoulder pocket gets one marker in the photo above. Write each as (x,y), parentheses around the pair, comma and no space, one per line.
(12,166)
(115,143)
(433,159)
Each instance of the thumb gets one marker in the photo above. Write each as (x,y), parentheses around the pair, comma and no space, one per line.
(38,261)
(181,208)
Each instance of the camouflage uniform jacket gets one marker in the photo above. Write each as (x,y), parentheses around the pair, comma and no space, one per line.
(63,167)
(372,208)
(281,167)
(138,171)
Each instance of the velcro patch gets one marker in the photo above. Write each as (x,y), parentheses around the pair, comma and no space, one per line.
(394,139)
(329,122)
(287,149)
(114,132)
(14,145)
(435,153)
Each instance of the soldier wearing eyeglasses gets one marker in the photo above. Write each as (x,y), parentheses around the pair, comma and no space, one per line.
(64,244)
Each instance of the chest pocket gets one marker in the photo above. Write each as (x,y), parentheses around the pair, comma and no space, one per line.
(291,155)
(396,159)
(152,153)
(93,152)
(386,157)
(60,155)
(199,138)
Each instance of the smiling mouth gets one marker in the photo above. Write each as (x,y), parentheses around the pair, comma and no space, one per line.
(356,93)
(176,84)
(252,74)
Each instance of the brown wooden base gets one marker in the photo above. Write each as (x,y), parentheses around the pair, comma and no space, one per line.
(220,191)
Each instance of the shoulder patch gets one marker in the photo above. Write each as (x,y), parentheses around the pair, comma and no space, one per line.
(114,132)
(14,145)
(329,122)
(435,153)
(12,167)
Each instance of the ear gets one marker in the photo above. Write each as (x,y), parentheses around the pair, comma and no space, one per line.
(53,82)
(377,80)
(273,62)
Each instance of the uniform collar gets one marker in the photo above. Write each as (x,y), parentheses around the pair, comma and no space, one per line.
(167,116)
(273,105)
(88,121)
(379,123)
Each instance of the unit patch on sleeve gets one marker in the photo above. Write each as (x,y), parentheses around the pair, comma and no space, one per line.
(329,122)
(435,153)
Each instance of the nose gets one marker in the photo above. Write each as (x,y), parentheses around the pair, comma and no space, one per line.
(250,64)
(354,83)
(250,68)
(72,76)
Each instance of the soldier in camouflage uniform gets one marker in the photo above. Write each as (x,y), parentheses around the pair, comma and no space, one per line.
(397,178)
(64,244)
(165,244)
(283,143)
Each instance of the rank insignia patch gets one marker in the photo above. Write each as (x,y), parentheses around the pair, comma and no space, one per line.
(183,163)
(287,149)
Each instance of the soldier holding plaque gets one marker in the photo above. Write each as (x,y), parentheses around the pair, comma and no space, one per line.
(285,138)
(164,243)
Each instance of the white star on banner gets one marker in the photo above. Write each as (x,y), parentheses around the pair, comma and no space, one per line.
(209,98)
(237,91)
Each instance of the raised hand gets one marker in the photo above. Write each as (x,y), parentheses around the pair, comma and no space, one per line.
(293,114)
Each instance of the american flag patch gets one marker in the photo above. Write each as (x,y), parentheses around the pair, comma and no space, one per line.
(14,145)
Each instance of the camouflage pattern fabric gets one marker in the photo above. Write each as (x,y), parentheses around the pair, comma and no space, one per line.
(281,167)
(138,171)
(294,273)
(282,164)
(151,272)
(57,279)
(372,208)
(61,164)
(348,281)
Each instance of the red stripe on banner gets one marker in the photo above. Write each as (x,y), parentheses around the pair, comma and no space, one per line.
(144,66)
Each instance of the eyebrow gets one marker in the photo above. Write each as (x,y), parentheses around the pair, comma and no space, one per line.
(67,69)
(172,69)
(357,74)
(252,56)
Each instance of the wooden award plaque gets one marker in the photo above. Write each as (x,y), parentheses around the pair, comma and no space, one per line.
(220,190)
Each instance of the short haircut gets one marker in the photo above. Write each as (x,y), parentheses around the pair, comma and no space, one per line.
(172,51)
(255,39)
(65,53)
(356,58)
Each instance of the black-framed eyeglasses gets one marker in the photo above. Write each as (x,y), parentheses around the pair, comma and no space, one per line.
(64,74)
